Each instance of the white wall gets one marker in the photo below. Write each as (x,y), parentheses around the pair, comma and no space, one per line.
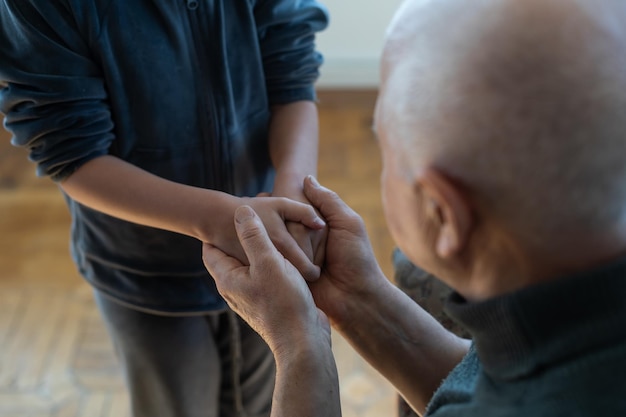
(353,42)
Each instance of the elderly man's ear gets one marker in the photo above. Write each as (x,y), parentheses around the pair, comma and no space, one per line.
(448,214)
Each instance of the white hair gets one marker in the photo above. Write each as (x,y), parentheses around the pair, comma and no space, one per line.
(524,102)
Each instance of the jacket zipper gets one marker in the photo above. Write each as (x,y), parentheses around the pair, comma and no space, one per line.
(208,110)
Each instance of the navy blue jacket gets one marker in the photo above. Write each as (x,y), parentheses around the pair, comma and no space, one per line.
(180,88)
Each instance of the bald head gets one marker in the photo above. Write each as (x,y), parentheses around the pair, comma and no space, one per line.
(523,102)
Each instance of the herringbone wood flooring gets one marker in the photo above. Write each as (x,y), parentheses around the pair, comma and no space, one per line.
(55,358)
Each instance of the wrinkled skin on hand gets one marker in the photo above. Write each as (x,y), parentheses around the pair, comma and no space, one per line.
(270,294)
(350,268)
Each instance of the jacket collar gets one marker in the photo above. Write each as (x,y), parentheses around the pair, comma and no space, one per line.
(524,332)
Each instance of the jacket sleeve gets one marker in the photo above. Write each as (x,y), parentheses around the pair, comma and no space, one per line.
(51,92)
(287,36)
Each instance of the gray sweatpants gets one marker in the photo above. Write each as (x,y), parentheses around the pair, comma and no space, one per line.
(193,366)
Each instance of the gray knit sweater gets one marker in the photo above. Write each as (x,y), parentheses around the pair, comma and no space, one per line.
(555,349)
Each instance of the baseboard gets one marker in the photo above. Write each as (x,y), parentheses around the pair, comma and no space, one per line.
(347,97)
(349,73)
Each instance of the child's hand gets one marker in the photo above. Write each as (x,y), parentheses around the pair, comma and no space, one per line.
(276,213)
(311,241)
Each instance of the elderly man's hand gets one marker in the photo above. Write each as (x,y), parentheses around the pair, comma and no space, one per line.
(350,270)
(275,213)
(270,294)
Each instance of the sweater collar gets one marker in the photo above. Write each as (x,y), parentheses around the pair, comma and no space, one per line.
(524,332)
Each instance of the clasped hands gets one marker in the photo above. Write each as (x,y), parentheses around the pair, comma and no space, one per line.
(272,295)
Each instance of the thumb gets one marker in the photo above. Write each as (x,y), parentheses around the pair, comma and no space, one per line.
(253,237)
(327,202)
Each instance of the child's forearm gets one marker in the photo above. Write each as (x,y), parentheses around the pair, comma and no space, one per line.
(293,144)
(117,188)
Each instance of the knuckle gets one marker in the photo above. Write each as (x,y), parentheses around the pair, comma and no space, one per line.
(354,217)
(333,194)
(296,228)
(251,233)
(282,242)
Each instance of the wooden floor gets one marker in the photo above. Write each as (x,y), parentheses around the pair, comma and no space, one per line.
(55,358)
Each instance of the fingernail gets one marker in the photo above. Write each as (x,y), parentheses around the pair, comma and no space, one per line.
(313,274)
(243,214)
(320,222)
(316,274)
(314,181)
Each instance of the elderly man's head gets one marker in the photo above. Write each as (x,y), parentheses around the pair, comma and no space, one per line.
(503,129)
